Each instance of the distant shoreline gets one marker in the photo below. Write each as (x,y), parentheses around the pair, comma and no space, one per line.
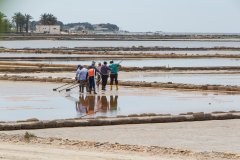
(116,37)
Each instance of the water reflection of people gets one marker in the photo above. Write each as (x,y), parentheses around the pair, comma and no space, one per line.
(92,104)
(113,103)
(105,104)
(81,105)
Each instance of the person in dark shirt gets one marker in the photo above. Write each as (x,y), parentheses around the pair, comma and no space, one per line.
(98,80)
(105,72)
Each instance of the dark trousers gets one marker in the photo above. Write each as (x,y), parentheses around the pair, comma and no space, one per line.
(113,77)
(82,84)
(91,83)
(104,81)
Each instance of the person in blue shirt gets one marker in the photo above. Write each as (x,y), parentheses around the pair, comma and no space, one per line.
(81,77)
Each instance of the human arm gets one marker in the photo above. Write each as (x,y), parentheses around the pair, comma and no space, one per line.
(77,74)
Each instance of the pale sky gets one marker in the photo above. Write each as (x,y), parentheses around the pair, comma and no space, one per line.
(138,15)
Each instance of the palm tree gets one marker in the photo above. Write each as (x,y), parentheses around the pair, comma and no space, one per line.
(2,16)
(22,23)
(48,19)
(7,25)
(19,19)
(27,20)
(44,19)
(52,20)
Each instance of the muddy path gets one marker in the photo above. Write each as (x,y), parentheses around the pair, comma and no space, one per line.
(201,136)
(16,147)
(23,151)
(125,142)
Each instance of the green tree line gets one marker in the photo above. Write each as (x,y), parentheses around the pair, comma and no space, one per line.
(5,24)
(21,22)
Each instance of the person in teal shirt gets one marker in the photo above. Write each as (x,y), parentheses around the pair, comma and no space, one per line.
(114,74)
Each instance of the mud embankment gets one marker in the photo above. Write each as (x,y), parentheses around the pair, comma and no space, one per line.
(169,85)
(128,52)
(119,52)
(38,67)
(120,120)
(114,49)
(30,68)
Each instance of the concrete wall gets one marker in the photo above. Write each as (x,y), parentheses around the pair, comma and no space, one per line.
(51,29)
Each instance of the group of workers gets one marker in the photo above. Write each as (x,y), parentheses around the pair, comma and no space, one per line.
(92,76)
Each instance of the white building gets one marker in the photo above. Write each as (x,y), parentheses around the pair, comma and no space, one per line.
(50,29)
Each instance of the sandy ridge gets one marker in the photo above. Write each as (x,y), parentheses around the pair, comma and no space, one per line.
(152,151)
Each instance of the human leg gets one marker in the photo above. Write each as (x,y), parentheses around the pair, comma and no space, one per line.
(91,83)
(82,86)
(104,82)
(111,80)
(116,81)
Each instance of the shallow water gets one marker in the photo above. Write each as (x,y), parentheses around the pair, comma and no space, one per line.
(23,100)
(200,62)
(187,78)
(84,43)
(198,79)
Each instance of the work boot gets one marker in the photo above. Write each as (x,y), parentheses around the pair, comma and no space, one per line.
(116,87)
(110,87)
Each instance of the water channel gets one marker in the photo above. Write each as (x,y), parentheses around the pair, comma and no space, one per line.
(85,43)
(197,62)
(23,100)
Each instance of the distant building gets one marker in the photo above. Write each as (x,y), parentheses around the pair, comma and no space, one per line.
(50,29)
(78,29)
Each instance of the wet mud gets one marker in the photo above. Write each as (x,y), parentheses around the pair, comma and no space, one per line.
(131,119)
(232,89)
